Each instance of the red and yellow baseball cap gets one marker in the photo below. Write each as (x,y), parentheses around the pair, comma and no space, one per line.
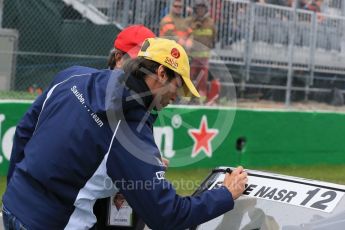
(130,39)
(171,55)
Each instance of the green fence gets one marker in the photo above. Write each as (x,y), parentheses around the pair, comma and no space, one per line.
(52,37)
(197,137)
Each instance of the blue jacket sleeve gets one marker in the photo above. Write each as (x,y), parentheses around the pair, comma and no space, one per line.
(26,127)
(132,164)
(24,131)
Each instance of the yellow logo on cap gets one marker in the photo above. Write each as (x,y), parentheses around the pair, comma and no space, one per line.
(172,62)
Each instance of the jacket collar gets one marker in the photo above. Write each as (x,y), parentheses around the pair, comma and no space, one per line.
(141,90)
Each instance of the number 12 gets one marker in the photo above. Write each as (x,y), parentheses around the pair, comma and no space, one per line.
(321,204)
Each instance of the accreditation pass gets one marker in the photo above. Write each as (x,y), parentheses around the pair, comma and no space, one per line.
(290,190)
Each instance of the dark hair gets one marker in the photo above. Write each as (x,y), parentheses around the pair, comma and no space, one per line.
(141,67)
(112,60)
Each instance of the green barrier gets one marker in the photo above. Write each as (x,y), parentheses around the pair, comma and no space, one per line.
(10,114)
(196,137)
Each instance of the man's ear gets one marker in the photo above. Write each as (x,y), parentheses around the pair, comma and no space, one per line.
(162,77)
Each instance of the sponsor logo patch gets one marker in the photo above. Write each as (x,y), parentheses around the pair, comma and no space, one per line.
(175,53)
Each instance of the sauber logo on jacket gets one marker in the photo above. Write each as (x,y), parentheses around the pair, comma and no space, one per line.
(160,175)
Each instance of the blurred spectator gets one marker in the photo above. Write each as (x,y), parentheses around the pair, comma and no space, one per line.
(277,2)
(221,19)
(156,10)
(35,89)
(237,22)
(301,4)
(174,25)
(289,3)
(261,1)
(204,34)
(230,20)
(216,9)
(314,5)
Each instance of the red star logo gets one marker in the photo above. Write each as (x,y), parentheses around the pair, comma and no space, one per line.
(202,138)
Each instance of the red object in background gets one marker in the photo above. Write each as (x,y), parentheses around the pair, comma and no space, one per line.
(35,90)
(131,38)
(199,74)
(214,91)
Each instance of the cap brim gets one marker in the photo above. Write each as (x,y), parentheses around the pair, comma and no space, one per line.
(189,88)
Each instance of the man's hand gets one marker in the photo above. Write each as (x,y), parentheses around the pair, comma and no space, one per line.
(236,181)
(165,162)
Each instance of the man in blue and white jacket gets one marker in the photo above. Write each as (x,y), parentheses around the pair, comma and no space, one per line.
(94,138)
